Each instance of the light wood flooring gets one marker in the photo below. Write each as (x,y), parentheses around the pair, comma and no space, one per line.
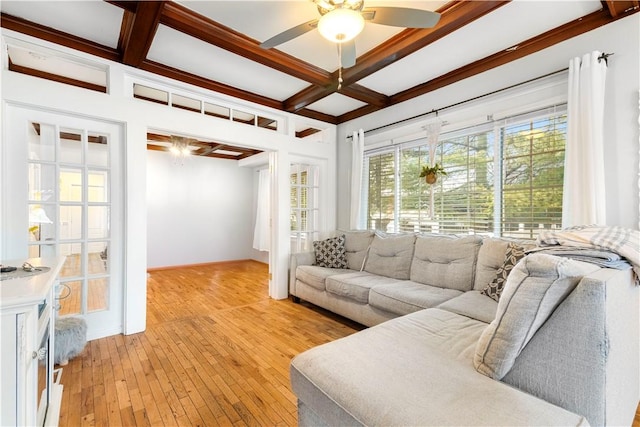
(216,352)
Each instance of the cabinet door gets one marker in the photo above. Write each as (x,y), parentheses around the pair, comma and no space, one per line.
(8,361)
(18,404)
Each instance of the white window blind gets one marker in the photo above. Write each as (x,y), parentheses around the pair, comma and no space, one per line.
(503,178)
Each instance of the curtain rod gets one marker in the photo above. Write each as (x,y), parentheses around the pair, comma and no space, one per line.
(435,111)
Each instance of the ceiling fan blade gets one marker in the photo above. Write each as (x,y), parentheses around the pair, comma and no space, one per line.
(289,34)
(401,17)
(348,57)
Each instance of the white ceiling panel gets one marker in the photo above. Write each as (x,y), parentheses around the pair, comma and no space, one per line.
(503,28)
(97,21)
(336,104)
(187,53)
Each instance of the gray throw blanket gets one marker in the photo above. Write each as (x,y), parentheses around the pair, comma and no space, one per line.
(612,247)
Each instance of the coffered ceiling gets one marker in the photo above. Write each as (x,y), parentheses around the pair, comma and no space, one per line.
(216,45)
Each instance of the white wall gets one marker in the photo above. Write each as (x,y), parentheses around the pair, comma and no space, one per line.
(197,212)
(621,113)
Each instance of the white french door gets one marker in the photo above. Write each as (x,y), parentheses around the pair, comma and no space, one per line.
(65,196)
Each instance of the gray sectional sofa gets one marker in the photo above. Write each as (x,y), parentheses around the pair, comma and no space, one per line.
(560,347)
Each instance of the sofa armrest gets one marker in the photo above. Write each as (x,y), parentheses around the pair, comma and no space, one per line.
(589,343)
(300,258)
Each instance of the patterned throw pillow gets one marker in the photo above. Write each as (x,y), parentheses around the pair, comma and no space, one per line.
(330,252)
(513,254)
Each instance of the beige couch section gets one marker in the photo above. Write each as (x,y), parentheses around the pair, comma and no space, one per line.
(561,347)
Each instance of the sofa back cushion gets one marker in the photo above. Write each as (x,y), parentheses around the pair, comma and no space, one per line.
(492,256)
(390,255)
(535,287)
(356,245)
(445,262)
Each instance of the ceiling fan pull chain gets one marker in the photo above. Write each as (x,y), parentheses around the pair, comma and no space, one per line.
(339,66)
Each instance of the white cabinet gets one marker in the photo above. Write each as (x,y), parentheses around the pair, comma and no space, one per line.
(30,396)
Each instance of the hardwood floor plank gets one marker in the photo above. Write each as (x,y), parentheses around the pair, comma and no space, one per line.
(216,352)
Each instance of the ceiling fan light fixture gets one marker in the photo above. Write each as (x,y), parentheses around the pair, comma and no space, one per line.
(341,25)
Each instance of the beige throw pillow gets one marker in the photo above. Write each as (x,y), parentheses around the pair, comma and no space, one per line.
(535,287)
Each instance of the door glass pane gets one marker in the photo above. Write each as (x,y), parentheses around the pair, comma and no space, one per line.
(71,146)
(98,221)
(98,258)
(42,181)
(71,185)
(98,294)
(70,222)
(98,191)
(41,222)
(98,150)
(47,250)
(42,142)
(34,251)
(73,264)
(70,299)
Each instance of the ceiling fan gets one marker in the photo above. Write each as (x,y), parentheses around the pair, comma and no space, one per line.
(342,20)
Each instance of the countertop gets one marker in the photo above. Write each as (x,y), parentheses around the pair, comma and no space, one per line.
(31,289)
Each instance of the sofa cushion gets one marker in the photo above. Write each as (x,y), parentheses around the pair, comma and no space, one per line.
(494,288)
(491,257)
(330,252)
(535,287)
(355,285)
(356,245)
(390,255)
(444,262)
(407,296)
(472,304)
(315,276)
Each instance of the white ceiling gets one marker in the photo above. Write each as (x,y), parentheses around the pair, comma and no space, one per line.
(507,26)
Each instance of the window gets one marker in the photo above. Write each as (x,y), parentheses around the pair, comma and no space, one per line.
(503,179)
(304,206)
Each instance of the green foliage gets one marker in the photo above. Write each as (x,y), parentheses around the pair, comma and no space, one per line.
(436,169)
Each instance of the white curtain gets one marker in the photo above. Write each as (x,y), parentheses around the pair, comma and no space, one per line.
(357,157)
(584,190)
(262,232)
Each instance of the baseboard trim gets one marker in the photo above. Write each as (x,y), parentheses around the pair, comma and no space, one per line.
(173,267)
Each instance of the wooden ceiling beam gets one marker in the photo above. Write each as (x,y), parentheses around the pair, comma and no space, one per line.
(620,7)
(317,115)
(185,20)
(364,94)
(138,30)
(58,37)
(127,5)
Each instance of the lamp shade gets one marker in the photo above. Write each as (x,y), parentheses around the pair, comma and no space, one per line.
(38,216)
(341,25)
